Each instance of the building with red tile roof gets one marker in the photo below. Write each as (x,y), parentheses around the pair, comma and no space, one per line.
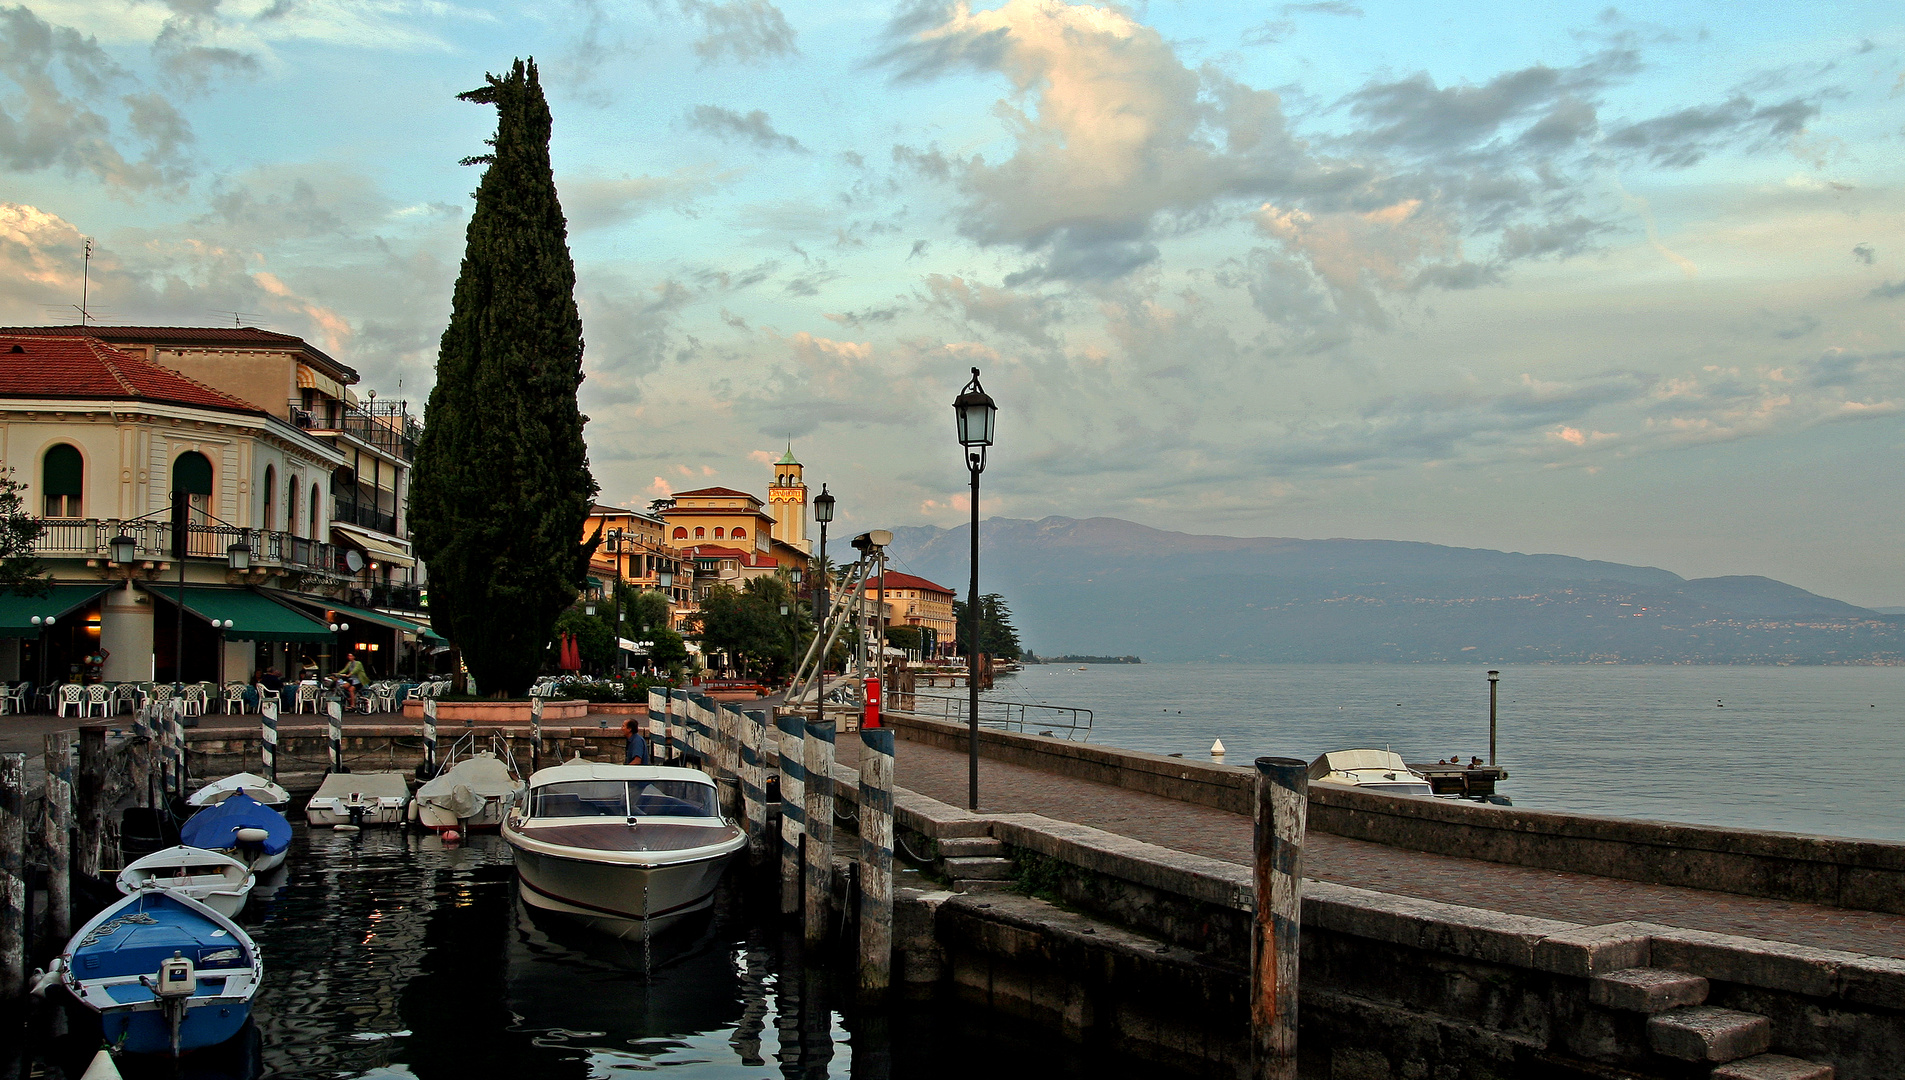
(915,601)
(84,368)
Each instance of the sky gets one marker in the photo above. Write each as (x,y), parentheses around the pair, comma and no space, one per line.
(1623,283)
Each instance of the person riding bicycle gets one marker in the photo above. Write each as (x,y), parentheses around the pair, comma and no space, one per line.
(353,676)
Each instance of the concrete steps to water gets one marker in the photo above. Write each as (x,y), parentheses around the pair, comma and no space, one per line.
(1682,1026)
(1773,1067)
(975,864)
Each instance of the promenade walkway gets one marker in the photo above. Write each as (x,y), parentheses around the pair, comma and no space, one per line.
(1580,898)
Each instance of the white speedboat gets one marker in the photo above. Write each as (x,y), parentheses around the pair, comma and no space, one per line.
(216,880)
(620,847)
(367,798)
(259,788)
(1371,770)
(475,793)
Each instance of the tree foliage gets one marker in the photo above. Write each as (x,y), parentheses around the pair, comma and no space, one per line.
(593,636)
(20,571)
(998,638)
(501,488)
(746,623)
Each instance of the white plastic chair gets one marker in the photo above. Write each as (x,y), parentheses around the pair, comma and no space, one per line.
(75,695)
(159,696)
(234,698)
(307,700)
(125,698)
(99,700)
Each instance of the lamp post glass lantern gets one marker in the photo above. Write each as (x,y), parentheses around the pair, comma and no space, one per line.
(976,415)
(124,549)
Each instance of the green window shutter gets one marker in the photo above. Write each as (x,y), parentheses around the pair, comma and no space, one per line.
(64,471)
(192,473)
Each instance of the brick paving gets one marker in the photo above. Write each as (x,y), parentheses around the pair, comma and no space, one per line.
(1579,898)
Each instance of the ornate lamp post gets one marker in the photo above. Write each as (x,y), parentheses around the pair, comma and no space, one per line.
(975,413)
(823,513)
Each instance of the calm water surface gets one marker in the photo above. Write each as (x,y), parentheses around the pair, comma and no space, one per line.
(1801,749)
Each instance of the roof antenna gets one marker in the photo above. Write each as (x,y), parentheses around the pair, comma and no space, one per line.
(85,279)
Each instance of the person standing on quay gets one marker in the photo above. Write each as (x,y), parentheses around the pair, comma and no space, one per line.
(637,753)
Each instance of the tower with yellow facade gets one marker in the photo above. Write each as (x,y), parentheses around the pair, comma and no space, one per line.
(787,501)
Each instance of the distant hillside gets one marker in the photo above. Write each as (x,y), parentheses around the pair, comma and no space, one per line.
(1104,586)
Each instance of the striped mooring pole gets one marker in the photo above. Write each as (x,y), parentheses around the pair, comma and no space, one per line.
(819,791)
(56,833)
(181,765)
(268,720)
(876,861)
(335,710)
(430,736)
(793,806)
(12,878)
(754,784)
(535,734)
(1283,796)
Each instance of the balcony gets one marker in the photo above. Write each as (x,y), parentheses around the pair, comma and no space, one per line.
(407,598)
(347,512)
(386,425)
(91,538)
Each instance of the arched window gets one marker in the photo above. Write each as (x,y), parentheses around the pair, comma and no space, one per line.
(681,533)
(62,476)
(700,533)
(291,520)
(717,532)
(316,501)
(270,521)
(739,533)
(192,474)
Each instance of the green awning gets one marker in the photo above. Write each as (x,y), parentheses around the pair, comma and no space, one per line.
(408,626)
(17,611)
(254,616)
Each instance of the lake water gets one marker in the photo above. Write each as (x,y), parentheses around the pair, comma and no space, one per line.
(1799,749)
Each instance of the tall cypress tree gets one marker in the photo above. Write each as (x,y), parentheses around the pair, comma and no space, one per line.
(502,489)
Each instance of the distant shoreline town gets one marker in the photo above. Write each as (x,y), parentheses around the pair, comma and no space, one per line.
(1034,658)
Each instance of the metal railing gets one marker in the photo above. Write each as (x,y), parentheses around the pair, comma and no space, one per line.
(401,597)
(387,425)
(1057,721)
(91,538)
(351,512)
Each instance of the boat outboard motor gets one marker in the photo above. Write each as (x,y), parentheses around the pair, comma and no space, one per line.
(354,805)
(177,980)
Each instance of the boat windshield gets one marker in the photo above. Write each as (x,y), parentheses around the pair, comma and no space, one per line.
(582,798)
(673,798)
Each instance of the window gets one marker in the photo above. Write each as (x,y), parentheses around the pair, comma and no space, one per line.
(582,798)
(192,474)
(717,532)
(700,532)
(271,497)
(291,505)
(681,533)
(62,476)
(316,501)
(739,533)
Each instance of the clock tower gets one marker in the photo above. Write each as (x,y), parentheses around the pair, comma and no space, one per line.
(787,501)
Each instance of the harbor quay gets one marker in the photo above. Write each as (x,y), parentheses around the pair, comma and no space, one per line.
(1109,897)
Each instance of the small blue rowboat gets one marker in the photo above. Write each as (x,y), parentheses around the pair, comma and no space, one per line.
(165,973)
(241,827)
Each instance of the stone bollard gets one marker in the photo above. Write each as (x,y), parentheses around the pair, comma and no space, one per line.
(1282,799)
(335,710)
(819,861)
(12,878)
(430,737)
(58,834)
(876,861)
(535,734)
(754,784)
(793,807)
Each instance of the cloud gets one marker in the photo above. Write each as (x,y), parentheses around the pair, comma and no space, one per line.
(1685,136)
(1326,7)
(755,127)
(746,31)
(1890,290)
(184,58)
(1865,253)
(594,202)
(1029,318)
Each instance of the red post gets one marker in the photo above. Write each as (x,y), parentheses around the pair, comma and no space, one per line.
(872,718)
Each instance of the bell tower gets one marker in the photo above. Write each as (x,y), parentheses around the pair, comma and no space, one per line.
(787,501)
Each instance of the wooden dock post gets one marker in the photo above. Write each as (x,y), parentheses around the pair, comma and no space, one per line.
(819,792)
(58,834)
(430,736)
(876,861)
(535,733)
(334,710)
(90,798)
(1282,798)
(181,765)
(1494,685)
(140,760)
(12,878)
(754,784)
(163,753)
(268,724)
(793,806)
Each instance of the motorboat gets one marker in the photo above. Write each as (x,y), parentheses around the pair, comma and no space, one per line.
(242,827)
(1369,770)
(260,789)
(213,878)
(475,793)
(620,848)
(165,973)
(370,798)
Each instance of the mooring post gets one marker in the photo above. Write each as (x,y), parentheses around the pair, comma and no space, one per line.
(12,877)
(1283,797)
(268,725)
(535,733)
(819,762)
(1494,684)
(732,742)
(657,708)
(430,737)
(876,861)
(181,767)
(58,834)
(162,753)
(668,726)
(90,798)
(754,784)
(793,806)
(335,711)
(139,757)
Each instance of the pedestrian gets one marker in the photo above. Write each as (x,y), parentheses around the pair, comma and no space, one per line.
(637,751)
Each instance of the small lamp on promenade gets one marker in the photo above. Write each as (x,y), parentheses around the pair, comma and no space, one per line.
(976,415)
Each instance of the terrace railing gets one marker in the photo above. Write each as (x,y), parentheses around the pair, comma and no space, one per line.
(91,538)
(1057,721)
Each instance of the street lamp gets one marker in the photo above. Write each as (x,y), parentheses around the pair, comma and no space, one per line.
(976,414)
(238,556)
(823,513)
(44,623)
(124,549)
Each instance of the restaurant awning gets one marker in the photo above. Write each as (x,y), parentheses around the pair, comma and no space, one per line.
(347,612)
(378,548)
(17,611)
(254,616)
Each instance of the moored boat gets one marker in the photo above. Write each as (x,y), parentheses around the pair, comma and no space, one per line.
(369,798)
(257,787)
(620,848)
(213,878)
(165,973)
(475,793)
(1370,770)
(242,827)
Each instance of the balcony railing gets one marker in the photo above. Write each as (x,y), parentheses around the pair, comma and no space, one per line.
(387,425)
(357,513)
(91,538)
(396,597)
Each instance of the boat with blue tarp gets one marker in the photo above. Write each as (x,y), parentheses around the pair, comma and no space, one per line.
(242,827)
(165,973)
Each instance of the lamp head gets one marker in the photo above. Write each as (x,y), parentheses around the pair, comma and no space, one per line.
(823,506)
(124,549)
(975,414)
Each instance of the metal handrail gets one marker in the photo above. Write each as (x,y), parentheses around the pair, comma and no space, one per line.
(1020,716)
(91,538)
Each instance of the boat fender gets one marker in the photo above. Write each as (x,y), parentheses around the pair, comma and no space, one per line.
(102,1068)
(344,828)
(451,836)
(42,981)
(253,836)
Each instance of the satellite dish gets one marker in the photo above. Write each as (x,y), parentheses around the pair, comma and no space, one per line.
(354,560)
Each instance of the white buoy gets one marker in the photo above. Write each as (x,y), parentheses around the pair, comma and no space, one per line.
(1217,750)
(102,1068)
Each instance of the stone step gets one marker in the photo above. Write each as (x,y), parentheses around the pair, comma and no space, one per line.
(957,847)
(979,868)
(1647,990)
(980,885)
(1707,1033)
(1773,1067)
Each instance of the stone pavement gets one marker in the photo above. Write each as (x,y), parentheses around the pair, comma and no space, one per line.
(1580,898)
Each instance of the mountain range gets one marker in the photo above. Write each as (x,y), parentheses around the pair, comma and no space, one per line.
(1108,586)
